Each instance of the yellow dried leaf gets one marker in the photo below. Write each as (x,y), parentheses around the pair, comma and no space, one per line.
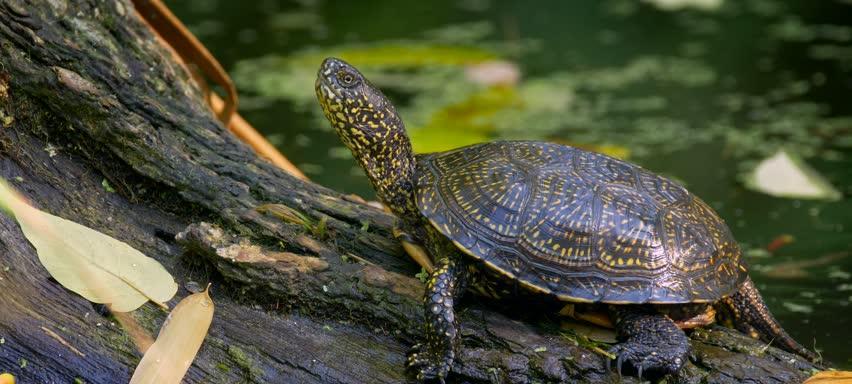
(786,175)
(831,377)
(7,378)
(92,264)
(178,342)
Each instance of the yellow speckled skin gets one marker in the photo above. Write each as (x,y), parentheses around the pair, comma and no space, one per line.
(578,225)
(369,126)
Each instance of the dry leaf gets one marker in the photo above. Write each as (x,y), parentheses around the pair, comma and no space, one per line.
(92,264)
(785,175)
(830,377)
(7,378)
(676,5)
(177,344)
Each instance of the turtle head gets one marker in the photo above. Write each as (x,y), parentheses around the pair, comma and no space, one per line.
(369,125)
(360,113)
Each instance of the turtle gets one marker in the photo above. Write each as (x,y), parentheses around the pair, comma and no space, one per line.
(576,225)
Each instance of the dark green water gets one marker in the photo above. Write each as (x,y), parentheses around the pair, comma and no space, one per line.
(698,95)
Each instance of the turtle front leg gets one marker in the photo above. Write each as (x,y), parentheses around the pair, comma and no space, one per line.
(650,341)
(433,358)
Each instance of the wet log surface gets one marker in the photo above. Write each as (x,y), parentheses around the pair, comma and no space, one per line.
(88,99)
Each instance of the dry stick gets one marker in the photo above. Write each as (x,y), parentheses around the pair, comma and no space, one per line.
(187,49)
(62,341)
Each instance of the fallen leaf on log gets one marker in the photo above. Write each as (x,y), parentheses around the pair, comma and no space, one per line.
(90,263)
(177,344)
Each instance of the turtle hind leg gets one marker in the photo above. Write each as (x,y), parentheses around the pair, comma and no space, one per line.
(751,316)
(651,343)
(433,358)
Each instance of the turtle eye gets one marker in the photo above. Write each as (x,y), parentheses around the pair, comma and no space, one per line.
(346,79)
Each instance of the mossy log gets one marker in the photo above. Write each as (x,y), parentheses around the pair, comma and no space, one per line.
(99,125)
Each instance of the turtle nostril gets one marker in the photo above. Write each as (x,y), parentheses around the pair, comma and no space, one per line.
(329,65)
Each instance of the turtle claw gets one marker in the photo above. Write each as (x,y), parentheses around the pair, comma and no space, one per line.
(645,358)
(619,360)
(651,345)
(428,365)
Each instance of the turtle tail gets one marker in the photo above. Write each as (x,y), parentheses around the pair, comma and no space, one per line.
(752,316)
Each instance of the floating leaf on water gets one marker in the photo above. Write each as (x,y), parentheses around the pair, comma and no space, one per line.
(785,175)
(546,96)
(496,72)
(757,253)
(433,140)
(180,338)
(798,308)
(465,122)
(465,33)
(612,150)
(838,274)
(89,263)
(675,5)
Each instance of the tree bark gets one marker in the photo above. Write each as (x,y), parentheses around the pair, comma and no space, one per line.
(88,98)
